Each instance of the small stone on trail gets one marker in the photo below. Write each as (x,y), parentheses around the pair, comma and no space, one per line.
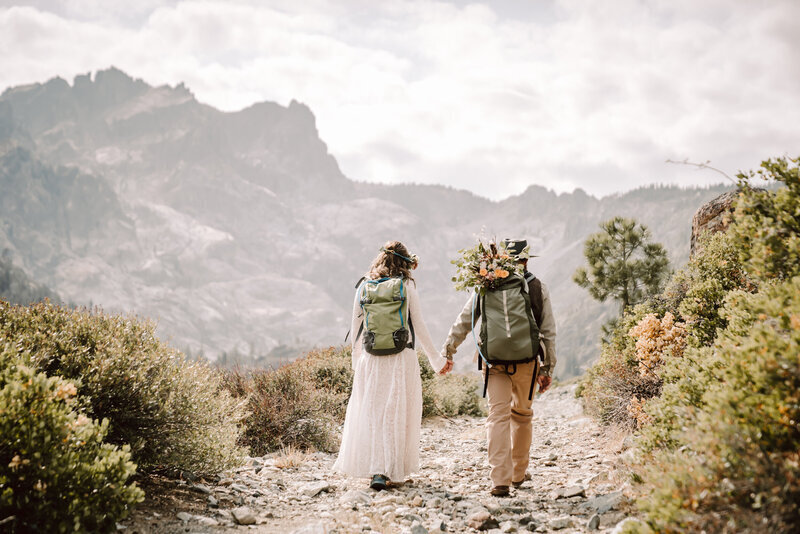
(244,516)
(593,523)
(225,482)
(560,522)
(508,526)
(316,528)
(315,488)
(599,477)
(188,476)
(212,502)
(183,516)
(482,520)
(201,488)
(571,491)
(356,496)
(208,521)
(416,528)
(603,503)
(416,501)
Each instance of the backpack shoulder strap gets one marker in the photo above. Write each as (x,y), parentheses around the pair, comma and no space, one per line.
(537,299)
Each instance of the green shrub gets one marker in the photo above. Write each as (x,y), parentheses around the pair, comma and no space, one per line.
(172,412)
(694,296)
(330,371)
(719,447)
(297,405)
(740,468)
(611,383)
(56,474)
(707,279)
(766,229)
(301,404)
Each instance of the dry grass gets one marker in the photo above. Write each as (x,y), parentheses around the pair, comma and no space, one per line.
(290,457)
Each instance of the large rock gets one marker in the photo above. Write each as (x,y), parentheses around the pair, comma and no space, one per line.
(712,217)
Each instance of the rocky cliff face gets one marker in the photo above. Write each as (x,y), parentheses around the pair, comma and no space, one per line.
(237,231)
(712,217)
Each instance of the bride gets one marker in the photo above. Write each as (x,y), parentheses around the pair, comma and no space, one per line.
(382,425)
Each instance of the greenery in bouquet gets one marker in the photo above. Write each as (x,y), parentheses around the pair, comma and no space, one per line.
(486,266)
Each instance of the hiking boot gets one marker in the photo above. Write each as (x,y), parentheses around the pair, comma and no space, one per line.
(526,477)
(500,491)
(379,482)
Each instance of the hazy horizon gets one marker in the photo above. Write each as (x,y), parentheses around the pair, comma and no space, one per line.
(489,96)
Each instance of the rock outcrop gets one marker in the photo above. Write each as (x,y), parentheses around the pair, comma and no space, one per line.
(712,217)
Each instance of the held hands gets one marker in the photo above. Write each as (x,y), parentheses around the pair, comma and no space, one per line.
(544,383)
(447,367)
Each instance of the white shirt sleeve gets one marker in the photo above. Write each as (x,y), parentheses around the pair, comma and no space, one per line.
(355,324)
(423,337)
(547,334)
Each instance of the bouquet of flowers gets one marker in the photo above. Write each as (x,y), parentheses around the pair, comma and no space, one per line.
(486,266)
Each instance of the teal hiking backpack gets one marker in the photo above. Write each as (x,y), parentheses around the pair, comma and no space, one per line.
(509,333)
(386,326)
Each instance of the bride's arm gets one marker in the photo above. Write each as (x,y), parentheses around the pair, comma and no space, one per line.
(355,325)
(423,337)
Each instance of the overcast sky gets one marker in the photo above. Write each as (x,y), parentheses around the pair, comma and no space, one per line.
(488,96)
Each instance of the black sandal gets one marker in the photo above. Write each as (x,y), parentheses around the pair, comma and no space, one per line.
(379,482)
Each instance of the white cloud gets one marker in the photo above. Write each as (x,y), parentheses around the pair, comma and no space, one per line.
(584,94)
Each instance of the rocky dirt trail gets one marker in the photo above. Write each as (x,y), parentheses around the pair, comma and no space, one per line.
(578,485)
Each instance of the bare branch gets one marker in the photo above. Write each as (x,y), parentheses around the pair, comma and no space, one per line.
(702,166)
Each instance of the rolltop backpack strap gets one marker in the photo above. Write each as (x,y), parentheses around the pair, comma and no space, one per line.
(534,286)
(485,379)
(536,367)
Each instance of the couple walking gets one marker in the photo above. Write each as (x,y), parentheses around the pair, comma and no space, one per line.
(382,426)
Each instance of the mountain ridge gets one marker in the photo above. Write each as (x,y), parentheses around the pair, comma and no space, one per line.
(239,232)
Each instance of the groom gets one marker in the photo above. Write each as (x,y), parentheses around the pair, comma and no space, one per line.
(508,426)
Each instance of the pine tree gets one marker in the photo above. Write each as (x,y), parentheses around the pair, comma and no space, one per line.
(623,263)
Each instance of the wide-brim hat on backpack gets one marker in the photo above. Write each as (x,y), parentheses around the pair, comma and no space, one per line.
(518,249)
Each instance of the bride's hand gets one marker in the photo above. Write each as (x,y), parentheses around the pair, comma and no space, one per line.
(447,367)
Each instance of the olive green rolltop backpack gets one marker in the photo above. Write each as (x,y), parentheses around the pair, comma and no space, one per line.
(387,326)
(509,333)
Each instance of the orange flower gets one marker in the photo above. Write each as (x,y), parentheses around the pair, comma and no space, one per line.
(500,273)
(483,272)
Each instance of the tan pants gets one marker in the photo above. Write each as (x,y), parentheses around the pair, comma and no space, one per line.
(508,426)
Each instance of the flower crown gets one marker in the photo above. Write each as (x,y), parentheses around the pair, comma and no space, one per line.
(414,259)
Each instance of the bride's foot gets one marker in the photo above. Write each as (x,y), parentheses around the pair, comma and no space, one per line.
(379,482)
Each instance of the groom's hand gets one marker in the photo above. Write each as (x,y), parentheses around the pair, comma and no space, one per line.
(447,367)
(544,383)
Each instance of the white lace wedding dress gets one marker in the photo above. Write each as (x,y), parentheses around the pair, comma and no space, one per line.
(382,425)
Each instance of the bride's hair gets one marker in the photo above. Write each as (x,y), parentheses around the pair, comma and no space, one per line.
(391,261)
